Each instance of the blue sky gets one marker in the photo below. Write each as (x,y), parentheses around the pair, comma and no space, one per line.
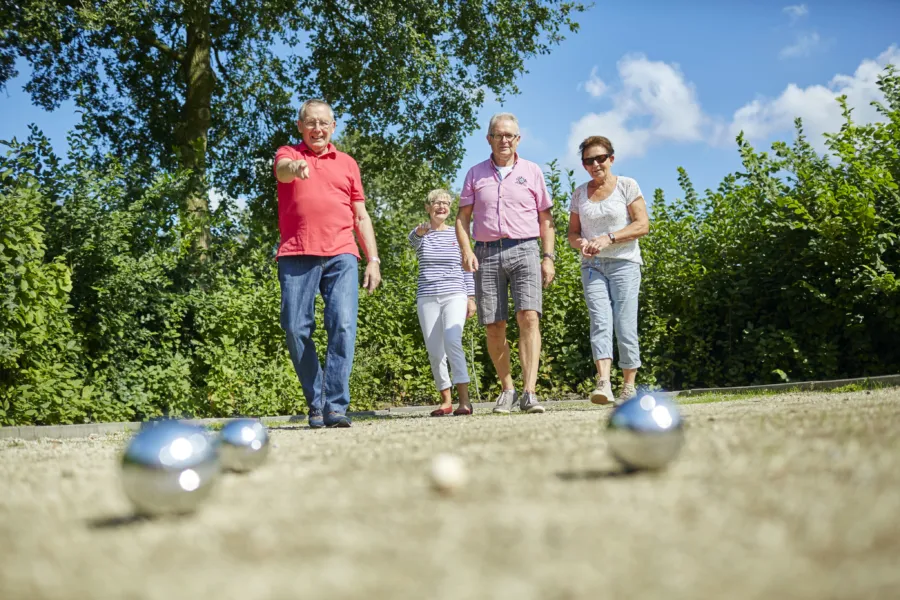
(670,83)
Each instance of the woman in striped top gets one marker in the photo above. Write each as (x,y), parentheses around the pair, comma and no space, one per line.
(445,299)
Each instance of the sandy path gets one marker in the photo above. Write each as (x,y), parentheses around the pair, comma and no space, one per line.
(782,496)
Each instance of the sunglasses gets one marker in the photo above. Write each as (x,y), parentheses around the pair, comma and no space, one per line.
(599,159)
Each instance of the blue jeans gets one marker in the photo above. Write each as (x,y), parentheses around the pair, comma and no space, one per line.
(337,279)
(611,288)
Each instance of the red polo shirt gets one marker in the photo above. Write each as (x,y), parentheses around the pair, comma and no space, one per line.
(315,215)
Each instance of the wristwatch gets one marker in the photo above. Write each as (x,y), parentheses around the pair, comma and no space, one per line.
(550,256)
(612,237)
(375,259)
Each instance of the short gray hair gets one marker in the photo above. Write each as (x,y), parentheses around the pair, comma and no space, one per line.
(437,194)
(315,102)
(504,116)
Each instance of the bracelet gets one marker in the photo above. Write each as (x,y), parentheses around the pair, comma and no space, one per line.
(375,259)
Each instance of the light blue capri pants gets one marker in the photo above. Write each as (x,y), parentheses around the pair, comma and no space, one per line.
(611,288)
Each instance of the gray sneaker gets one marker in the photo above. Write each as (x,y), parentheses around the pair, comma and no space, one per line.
(529,403)
(505,401)
(628,392)
(602,393)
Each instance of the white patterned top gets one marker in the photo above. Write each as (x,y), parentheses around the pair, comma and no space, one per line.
(608,216)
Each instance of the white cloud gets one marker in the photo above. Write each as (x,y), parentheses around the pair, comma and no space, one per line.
(594,85)
(816,104)
(804,45)
(795,11)
(659,89)
(653,104)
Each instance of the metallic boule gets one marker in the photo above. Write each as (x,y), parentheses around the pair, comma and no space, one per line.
(645,432)
(169,468)
(243,444)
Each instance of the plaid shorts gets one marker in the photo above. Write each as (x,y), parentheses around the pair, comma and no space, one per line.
(512,263)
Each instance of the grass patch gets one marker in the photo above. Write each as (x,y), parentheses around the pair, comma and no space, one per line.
(853,387)
(712,398)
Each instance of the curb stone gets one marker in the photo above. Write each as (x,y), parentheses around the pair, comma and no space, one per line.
(801,386)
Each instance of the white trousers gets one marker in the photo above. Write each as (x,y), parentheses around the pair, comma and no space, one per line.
(442,319)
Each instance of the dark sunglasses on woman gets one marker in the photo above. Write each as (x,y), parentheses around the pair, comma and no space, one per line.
(600,158)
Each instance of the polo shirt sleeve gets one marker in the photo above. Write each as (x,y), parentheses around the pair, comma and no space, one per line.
(283,152)
(467,195)
(356,186)
(544,201)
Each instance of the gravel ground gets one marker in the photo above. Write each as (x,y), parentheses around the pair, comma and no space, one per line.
(790,496)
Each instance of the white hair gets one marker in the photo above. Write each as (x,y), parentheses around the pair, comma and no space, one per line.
(435,195)
(315,102)
(504,116)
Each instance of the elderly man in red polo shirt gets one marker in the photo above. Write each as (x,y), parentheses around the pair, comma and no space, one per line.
(320,204)
(514,239)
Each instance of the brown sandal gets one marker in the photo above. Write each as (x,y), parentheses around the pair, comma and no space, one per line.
(463,411)
(442,412)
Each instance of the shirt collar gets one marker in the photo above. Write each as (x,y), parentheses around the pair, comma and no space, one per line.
(331,150)
(496,168)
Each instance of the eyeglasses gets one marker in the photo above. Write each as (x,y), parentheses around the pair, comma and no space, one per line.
(440,203)
(506,137)
(314,124)
(599,159)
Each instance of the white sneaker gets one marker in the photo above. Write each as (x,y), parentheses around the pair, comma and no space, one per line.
(628,392)
(602,393)
(505,401)
(528,403)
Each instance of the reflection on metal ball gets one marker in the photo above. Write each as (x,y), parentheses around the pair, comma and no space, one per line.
(169,468)
(645,432)
(243,444)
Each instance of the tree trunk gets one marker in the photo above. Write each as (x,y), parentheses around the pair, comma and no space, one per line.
(200,82)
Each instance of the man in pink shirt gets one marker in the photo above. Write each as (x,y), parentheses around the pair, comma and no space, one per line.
(514,239)
(320,204)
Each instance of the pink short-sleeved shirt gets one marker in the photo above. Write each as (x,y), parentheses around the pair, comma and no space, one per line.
(315,215)
(506,208)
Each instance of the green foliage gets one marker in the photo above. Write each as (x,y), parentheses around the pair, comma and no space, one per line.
(39,365)
(788,271)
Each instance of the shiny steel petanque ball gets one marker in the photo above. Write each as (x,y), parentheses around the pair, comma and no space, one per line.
(645,433)
(243,444)
(169,468)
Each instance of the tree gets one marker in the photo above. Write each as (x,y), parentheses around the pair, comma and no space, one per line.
(210,85)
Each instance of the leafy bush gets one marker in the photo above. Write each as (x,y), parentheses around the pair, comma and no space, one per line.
(39,366)
(787,271)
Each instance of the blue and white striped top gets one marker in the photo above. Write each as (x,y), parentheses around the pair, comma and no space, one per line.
(440,264)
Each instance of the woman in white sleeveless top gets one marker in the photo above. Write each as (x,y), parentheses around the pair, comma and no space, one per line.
(607,215)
